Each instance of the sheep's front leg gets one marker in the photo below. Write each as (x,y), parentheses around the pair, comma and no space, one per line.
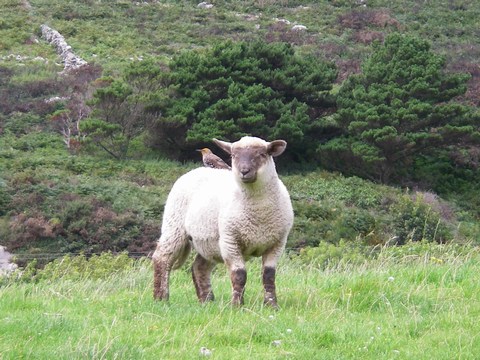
(268,277)
(201,271)
(233,258)
(238,277)
(269,264)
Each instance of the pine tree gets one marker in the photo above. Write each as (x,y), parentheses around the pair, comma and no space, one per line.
(235,89)
(400,106)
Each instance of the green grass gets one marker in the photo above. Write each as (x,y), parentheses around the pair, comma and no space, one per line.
(394,307)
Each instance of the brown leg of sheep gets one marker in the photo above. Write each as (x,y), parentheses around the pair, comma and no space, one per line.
(239,279)
(201,270)
(168,255)
(161,273)
(269,286)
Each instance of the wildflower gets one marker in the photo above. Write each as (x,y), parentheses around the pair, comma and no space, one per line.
(205,352)
(391,278)
(277,342)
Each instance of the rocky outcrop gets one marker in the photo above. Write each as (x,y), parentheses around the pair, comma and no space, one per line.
(70,60)
(6,266)
(205,5)
(299,28)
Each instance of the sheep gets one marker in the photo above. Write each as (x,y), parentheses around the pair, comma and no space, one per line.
(227,216)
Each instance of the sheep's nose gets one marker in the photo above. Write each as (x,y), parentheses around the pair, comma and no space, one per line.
(244,171)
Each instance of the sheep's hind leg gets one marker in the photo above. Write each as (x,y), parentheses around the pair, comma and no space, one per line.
(201,271)
(161,274)
(170,253)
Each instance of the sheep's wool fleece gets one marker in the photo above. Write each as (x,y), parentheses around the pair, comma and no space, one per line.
(222,215)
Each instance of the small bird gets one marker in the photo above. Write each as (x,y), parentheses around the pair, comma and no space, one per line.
(212,160)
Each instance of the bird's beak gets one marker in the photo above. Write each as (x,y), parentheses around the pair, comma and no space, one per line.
(198,150)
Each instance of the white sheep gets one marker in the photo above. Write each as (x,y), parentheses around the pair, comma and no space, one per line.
(227,216)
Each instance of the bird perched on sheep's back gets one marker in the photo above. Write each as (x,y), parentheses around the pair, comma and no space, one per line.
(213,161)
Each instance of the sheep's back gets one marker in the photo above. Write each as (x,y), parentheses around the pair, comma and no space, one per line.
(196,196)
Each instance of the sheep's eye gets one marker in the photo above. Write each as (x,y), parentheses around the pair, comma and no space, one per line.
(263,155)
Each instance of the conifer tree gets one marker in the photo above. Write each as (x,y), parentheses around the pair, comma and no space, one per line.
(400,106)
(237,89)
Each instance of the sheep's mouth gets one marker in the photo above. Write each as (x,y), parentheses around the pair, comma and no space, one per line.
(248,179)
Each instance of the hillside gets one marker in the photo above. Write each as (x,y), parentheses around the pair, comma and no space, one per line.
(113,33)
(59,196)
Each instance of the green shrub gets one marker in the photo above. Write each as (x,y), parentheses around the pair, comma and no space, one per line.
(79,267)
(425,251)
(82,267)
(358,221)
(416,220)
(5,198)
(327,255)
(323,221)
(14,26)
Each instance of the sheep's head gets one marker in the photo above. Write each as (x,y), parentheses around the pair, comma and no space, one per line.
(251,155)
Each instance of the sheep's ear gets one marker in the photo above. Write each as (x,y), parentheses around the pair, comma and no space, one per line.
(276,147)
(225,146)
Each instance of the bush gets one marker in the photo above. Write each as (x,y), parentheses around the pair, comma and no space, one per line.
(327,255)
(73,268)
(81,267)
(344,254)
(19,123)
(5,198)
(324,221)
(416,220)
(425,251)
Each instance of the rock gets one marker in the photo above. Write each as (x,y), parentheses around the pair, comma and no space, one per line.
(70,60)
(299,28)
(56,99)
(205,5)
(283,21)
(6,267)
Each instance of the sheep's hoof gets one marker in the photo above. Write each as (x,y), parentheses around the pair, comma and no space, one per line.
(160,294)
(237,299)
(237,303)
(272,302)
(207,298)
(157,297)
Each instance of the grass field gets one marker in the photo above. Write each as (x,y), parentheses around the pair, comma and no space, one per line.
(393,307)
